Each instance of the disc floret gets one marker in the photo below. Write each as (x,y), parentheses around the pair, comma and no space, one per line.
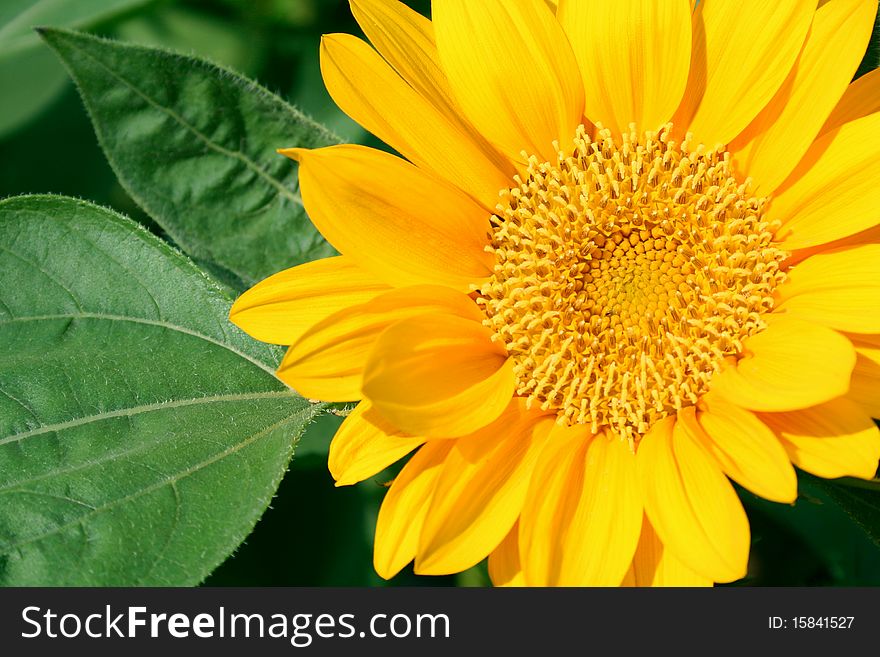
(626,273)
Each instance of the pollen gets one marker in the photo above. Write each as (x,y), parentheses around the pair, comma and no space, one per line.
(626,274)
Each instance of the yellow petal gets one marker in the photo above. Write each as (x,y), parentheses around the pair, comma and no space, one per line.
(634,56)
(741,54)
(654,565)
(778,137)
(839,289)
(692,505)
(405,39)
(861,98)
(512,71)
(367,89)
(582,517)
(481,490)
(282,307)
(836,439)
(790,365)
(438,375)
(746,449)
(835,189)
(557,480)
(604,529)
(869,345)
(394,220)
(865,384)
(365,445)
(403,510)
(504,564)
(327,362)
(869,236)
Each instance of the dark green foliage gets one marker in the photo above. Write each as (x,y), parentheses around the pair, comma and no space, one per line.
(195,145)
(141,434)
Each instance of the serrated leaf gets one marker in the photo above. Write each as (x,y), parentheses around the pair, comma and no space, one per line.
(859,498)
(27,68)
(141,434)
(194,145)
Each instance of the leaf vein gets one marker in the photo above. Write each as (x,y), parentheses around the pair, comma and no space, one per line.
(140,320)
(175,522)
(137,410)
(149,489)
(238,155)
(19,402)
(45,273)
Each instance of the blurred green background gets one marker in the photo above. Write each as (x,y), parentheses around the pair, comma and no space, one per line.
(314,534)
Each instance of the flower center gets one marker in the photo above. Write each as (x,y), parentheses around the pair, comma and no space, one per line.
(625,275)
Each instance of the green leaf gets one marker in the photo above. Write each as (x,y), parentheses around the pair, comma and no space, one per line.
(141,434)
(194,145)
(859,498)
(26,66)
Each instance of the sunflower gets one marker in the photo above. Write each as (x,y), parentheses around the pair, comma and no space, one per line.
(629,254)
